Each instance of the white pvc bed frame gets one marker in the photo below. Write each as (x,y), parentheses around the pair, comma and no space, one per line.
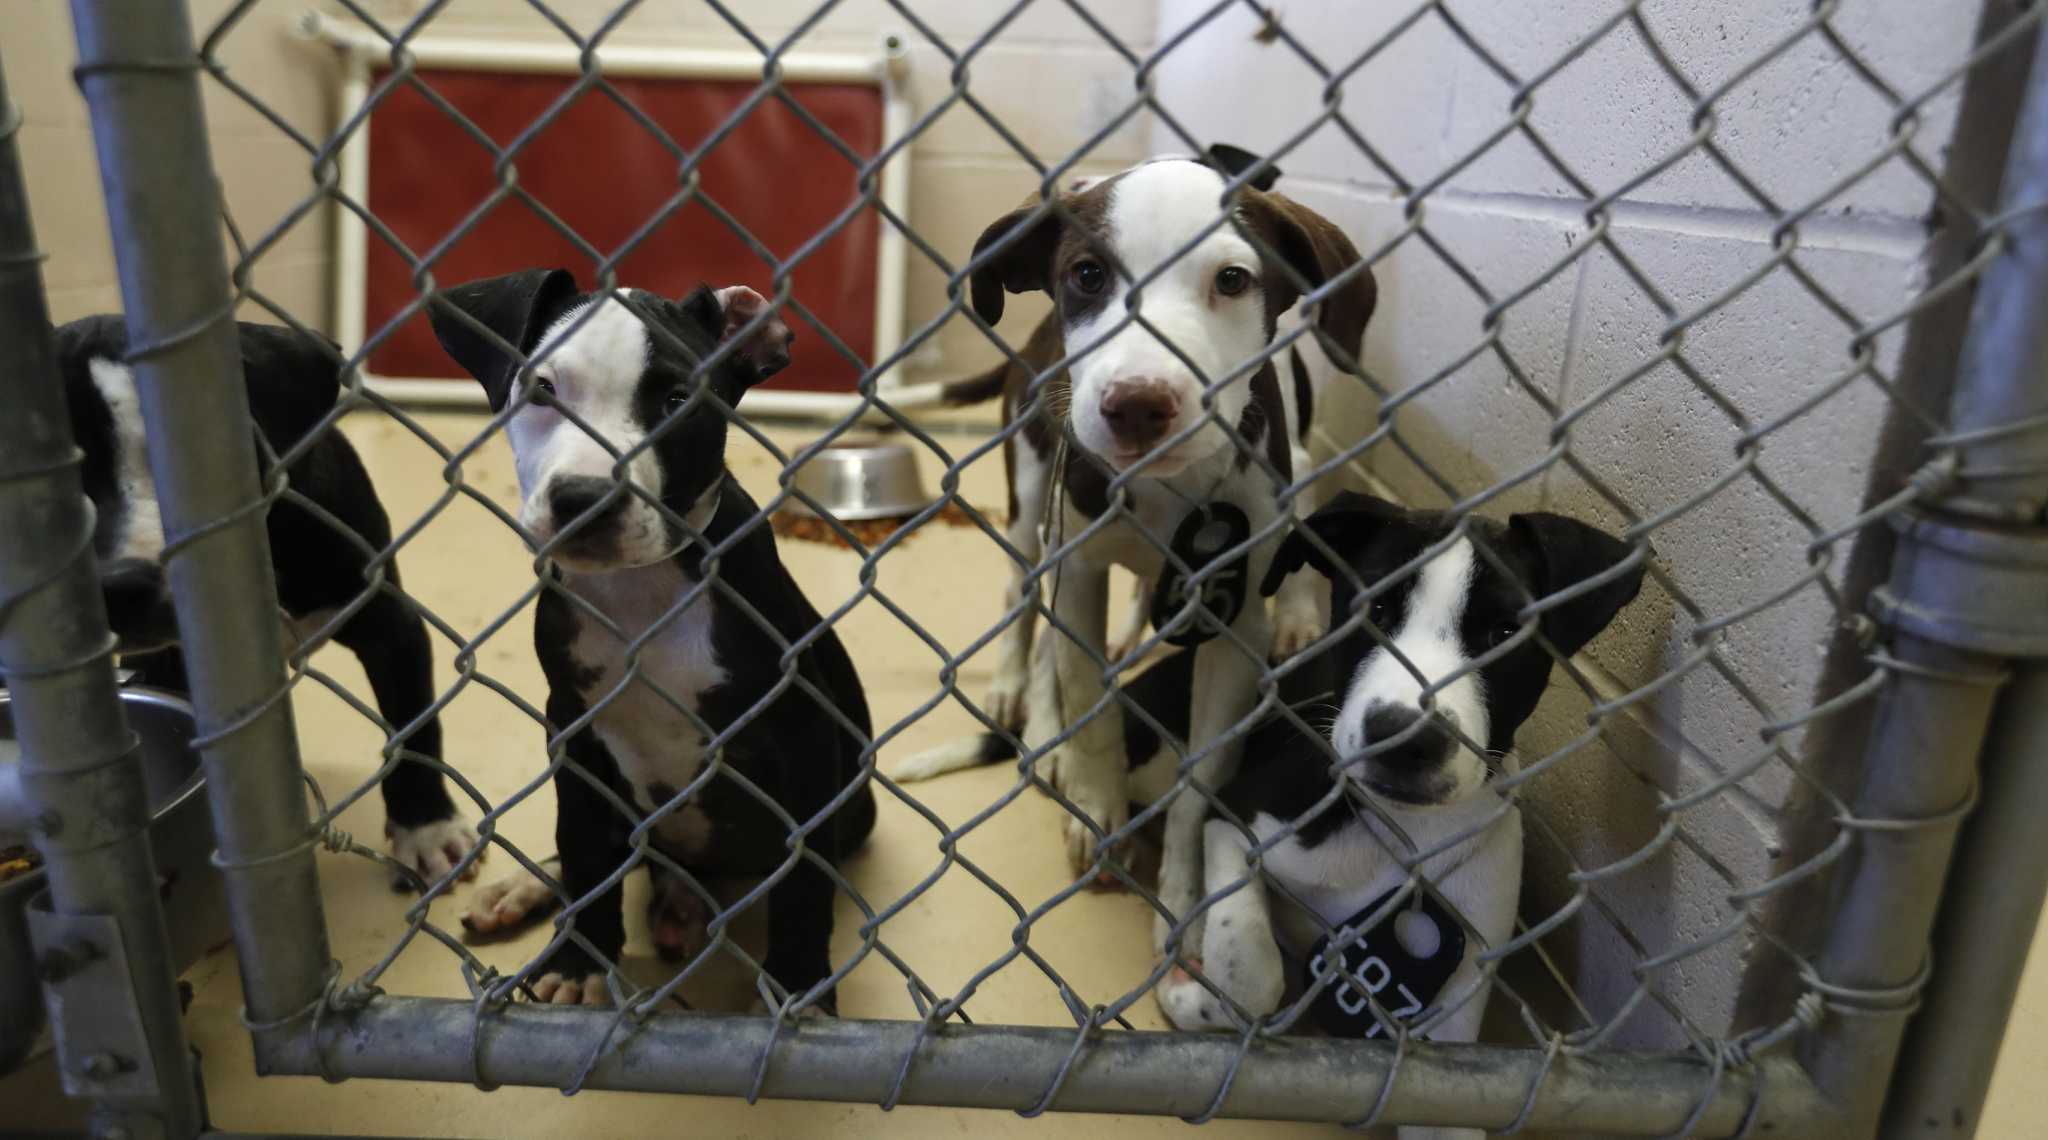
(362,50)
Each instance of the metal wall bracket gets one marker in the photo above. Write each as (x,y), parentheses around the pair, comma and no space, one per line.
(1967,584)
(102,1048)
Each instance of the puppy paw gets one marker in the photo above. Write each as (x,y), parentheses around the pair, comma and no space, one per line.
(1190,939)
(1005,701)
(561,989)
(509,903)
(1245,963)
(1188,1004)
(679,919)
(1295,628)
(1110,811)
(432,849)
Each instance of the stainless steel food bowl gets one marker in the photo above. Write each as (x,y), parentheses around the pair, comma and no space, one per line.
(862,479)
(181,834)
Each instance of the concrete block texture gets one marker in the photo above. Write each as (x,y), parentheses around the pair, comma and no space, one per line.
(1475,386)
(1433,95)
(264,174)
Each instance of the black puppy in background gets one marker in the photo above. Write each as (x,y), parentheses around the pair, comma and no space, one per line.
(644,659)
(293,381)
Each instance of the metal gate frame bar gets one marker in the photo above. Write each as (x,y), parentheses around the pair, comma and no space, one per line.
(1951,609)
(1971,574)
(102,951)
(140,76)
(1010,1067)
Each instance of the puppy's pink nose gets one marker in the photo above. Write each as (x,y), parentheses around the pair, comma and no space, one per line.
(1139,412)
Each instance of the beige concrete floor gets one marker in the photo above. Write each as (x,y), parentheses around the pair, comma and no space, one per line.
(469,569)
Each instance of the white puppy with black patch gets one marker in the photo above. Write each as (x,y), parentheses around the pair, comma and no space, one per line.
(1429,691)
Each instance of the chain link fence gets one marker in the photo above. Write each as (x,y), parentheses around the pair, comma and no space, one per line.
(1560,1062)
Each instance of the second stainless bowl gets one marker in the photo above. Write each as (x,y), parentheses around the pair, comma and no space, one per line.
(862,479)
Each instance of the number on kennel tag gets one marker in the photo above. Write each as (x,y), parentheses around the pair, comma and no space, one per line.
(1205,534)
(1404,974)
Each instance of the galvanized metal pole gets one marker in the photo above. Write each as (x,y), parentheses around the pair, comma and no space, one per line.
(1986,576)
(1999,413)
(1968,596)
(80,782)
(141,78)
(1917,773)
(1007,1066)
(1988,916)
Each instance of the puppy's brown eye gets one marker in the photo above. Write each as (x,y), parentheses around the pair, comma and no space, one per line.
(544,390)
(1504,631)
(674,401)
(1232,280)
(1087,277)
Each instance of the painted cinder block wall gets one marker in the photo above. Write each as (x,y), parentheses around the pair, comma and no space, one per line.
(265,175)
(1796,127)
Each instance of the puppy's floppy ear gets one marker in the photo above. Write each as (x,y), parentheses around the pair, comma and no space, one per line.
(1023,266)
(517,307)
(766,348)
(1344,523)
(1566,553)
(1318,250)
(1233,161)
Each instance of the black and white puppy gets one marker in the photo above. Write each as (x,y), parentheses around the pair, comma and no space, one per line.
(292,381)
(1449,628)
(1136,405)
(642,658)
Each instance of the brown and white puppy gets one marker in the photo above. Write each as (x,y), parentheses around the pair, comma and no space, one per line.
(1029,460)
(1137,414)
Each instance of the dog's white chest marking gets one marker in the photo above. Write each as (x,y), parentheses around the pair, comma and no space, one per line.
(1481,876)
(141,529)
(1153,509)
(658,746)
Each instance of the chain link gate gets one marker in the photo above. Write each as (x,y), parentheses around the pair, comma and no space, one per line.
(1881,755)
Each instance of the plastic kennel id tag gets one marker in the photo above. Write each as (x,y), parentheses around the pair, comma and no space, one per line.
(1403,963)
(1206,532)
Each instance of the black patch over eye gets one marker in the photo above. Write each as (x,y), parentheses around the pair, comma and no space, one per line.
(674,401)
(1232,280)
(1087,277)
(1502,631)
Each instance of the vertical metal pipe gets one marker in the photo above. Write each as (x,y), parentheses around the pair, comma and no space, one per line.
(1964,600)
(140,77)
(1924,743)
(1991,907)
(2000,408)
(80,781)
